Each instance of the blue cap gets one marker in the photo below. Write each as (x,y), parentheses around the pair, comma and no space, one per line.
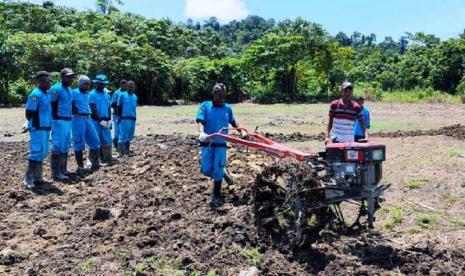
(101,78)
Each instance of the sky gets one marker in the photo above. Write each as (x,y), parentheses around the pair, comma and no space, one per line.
(444,18)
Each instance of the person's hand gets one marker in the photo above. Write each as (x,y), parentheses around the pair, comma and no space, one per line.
(203,137)
(244,134)
(327,140)
(110,124)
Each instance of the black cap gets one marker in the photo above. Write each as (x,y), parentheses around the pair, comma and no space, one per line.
(219,87)
(41,74)
(123,81)
(67,72)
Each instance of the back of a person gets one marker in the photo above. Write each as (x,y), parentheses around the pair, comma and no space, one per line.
(344,120)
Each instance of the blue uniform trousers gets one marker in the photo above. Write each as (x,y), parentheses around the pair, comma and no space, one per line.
(38,144)
(104,134)
(84,133)
(127,129)
(212,162)
(61,136)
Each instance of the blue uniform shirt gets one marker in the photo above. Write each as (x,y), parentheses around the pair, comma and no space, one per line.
(114,98)
(358,128)
(80,102)
(128,104)
(102,100)
(215,118)
(60,97)
(38,102)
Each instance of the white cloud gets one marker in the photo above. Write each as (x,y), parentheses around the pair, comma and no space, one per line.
(224,10)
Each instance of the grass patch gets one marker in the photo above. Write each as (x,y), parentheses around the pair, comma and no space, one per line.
(458,222)
(414,230)
(414,183)
(159,266)
(452,153)
(395,217)
(419,96)
(426,220)
(451,198)
(211,272)
(85,267)
(253,256)
(385,125)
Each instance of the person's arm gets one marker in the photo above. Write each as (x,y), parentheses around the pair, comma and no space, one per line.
(94,113)
(119,107)
(32,104)
(200,118)
(328,129)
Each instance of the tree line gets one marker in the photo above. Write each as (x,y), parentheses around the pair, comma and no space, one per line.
(258,59)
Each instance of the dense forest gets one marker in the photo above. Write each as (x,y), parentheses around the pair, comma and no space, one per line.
(258,59)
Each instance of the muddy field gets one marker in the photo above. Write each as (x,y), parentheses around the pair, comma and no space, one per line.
(149,214)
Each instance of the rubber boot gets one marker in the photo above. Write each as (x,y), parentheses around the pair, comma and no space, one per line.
(115,143)
(29,177)
(40,180)
(227,177)
(64,164)
(94,157)
(79,161)
(216,196)
(128,149)
(107,158)
(121,149)
(56,171)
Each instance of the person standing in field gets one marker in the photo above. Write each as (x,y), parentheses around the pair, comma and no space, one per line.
(60,96)
(127,115)
(342,116)
(114,102)
(39,117)
(83,129)
(359,135)
(100,108)
(213,116)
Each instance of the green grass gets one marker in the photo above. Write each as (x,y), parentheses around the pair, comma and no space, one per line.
(160,266)
(458,222)
(389,125)
(414,183)
(451,197)
(85,267)
(212,272)
(419,96)
(395,217)
(252,255)
(414,230)
(452,153)
(426,220)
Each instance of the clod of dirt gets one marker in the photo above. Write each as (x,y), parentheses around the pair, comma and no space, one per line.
(176,216)
(251,271)
(8,257)
(39,231)
(101,214)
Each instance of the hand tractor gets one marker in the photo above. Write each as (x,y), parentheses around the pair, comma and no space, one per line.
(340,184)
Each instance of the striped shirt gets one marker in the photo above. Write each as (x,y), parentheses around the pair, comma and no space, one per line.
(344,117)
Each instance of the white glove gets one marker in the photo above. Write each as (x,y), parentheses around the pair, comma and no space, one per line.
(25,127)
(105,124)
(244,134)
(203,137)
(110,124)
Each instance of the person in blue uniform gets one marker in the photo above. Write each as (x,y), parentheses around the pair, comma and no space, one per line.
(60,96)
(100,105)
(114,102)
(213,116)
(359,135)
(83,129)
(38,115)
(127,114)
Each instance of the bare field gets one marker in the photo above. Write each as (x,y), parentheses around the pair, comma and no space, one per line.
(150,214)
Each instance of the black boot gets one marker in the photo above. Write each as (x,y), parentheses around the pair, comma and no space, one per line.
(38,176)
(216,196)
(64,164)
(121,149)
(128,149)
(94,157)
(79,161)
(115,143)
(227,177)
(56,170)
(29,177)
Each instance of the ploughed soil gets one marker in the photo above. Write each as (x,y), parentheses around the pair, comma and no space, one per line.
(454,131)
(150,214)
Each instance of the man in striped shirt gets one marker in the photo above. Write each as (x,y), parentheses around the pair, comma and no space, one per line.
(342,116)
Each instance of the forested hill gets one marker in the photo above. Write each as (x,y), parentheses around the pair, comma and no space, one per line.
(258,59)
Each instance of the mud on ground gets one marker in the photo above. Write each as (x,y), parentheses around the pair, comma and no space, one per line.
(150,214)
